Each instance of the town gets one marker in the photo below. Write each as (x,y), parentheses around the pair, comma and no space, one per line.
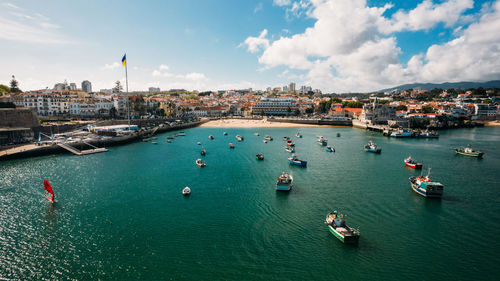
(23,113)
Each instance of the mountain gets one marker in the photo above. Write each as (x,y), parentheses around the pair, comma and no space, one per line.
(447,85)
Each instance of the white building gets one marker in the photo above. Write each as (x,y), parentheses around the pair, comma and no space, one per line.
(485,110)
(48,103)
(275,106)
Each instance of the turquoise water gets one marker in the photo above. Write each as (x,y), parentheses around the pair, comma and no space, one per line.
(120,215)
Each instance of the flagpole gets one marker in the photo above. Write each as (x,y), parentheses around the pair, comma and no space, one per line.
(126,84)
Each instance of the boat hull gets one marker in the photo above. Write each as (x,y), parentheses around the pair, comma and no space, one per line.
(283,187)
(424,192)
(298,163)
(473,154)
(414,166)
(344,239)
(378,150)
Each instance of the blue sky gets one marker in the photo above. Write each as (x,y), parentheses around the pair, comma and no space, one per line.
(334,45)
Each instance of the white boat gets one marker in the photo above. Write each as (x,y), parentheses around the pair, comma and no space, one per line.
(239,138)
(210,137)
(289,149)
(322,140)
(256,134)
(200,163)
(298,135)
(186,191)
(284,182)
(198,143)
(269,138)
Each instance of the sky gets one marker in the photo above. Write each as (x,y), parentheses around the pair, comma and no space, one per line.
(334,45)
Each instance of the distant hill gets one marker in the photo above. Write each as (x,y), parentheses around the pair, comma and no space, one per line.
(447,85)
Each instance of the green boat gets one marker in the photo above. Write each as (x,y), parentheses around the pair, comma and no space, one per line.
(337,226)
(469,151)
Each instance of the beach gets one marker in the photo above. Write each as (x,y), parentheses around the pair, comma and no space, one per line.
(246,123)
(495,123)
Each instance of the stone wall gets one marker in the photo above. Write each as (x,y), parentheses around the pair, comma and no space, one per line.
(18,118)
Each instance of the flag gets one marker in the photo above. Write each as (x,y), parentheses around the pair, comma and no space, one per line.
(124,60)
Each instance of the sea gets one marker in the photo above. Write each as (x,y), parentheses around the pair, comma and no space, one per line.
(120,215)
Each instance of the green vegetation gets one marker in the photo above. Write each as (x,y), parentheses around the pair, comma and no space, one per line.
(14,85)
(7,105)
(353,104)
(427,109)
(402,107)
(4,89)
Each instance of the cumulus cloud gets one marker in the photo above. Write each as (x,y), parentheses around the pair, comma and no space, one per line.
(353,47)
(111,66)
(258,7)
(195,76)
(282,2)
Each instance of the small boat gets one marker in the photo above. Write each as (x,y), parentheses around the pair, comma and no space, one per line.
(338,135)
(322,141)
(284,182)
(295,161)
(211,137)
(286,138)
(198,143)
(153,142)
(402,134)
(231,145)
(330,149)
(170,137)
(259,156)
(49,192)
(290,143)
(371,147)
(146,139)
(239,138)
(181,134)
(265,141)
(269,138)
(428,134)
(289,149)
(298,135)
(469,151)
(256,134)
(186,191)
(337,226)
(200,163)
(154,138)
(203,152)
(425,187)
(225,133)
(412,163)
(169,141)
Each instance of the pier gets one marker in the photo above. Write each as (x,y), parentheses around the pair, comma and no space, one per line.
(82,152)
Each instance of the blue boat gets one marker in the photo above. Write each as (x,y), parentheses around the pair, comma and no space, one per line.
(284,182)
(371,147)
(295,161)
(330,149)
(425,187)
(322,141)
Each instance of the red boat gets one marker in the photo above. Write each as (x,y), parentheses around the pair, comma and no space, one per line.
(412,163)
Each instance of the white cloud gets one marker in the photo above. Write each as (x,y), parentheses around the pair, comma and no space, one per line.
(195,76)
(111,66)
(10,5)
(163,67)
(282,2)
(258,7)
(352,47)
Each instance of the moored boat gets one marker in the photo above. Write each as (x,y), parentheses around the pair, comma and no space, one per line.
(296,161)
(181,134)
(286,138)
(200,163)
(290,143)
(371,147)
(428,134)
(268,138)
(154,142)
(403,133)
(225,133)
(170,137)
(337,226)
(259,156)
(169,141)
(239,138)
(469,151)
(284,182)
(425,187)
(322,141)
(289,149)
(231,145)
(211,137)
(256,134)
(330,149)
(203,152)
(186,191)
(298,135)
(412,163)
(338,135)
(198,143)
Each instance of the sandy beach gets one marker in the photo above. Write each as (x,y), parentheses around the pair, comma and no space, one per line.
(244,123)
(495,123)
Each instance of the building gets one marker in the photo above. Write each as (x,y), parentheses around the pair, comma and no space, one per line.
(72,86)
(275,106)
(291,87)
(154,89)
(375,113)
(87,86)
(485,110)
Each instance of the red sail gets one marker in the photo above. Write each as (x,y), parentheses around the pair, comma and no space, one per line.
(48,188)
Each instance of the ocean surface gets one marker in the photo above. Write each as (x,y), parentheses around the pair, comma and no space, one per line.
(120,215)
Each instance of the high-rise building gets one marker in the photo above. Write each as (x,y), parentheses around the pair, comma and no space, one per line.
(291,87)
(72,86)
(87,86)
(154,89)
(285,88)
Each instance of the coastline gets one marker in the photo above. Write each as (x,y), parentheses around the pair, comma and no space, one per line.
(495,123)
(248,123)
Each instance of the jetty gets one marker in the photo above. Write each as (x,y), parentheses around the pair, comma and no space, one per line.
(78,152)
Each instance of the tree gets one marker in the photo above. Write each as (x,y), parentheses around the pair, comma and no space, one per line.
(296,112)
(427,109)
(118,87)
(14,85)
(353,104)
(288,111)
(7,105)
(335,100)
(262,113)
(4,89)
(112,112)
(310,110)
(402,107)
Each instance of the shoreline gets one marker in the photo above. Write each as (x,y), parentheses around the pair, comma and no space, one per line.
(251,123)
(495,123)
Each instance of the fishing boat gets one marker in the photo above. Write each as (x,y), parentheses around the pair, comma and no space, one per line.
(186,191)
(337,226)
(269,138)
(289,149)
(49,193)
(330,149)
(225,133)
(256,134)
(259,156)
(231,145)
(200,163)
(425,187)
(296,161)
(428,134)
(290,143)
(403,133)
(284,182)
(198,143)
(210,137)
(322,141)
(239,138)
(298,135)
(469,151)
(338,135)
(286,138)
(203,152)
(412,163)
(371,147)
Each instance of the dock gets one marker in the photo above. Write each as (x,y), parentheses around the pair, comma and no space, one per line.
(82,152)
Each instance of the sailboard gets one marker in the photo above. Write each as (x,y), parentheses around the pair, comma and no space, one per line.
(49,193)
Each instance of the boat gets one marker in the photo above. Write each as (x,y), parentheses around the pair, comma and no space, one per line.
(203,152)
(322,140)
(284,182)
(402,134)
(425,187)
(153,142)
(225,133)
(295,161)
(412,163)
(289,149)
(170,137)
(290,143)
(428,134)
(371,147)
(200,163)
(186,191)
(239,138)
(198,143)
(298,135)
(330,149)
(259,156)
(256,134)
(265,141)
(181,134)
(338,135)
(337,226)
(286,138)
(469,151)
(49,192)
(146,139)
(211,137)
(269,138)
(169,141)
(231,145)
